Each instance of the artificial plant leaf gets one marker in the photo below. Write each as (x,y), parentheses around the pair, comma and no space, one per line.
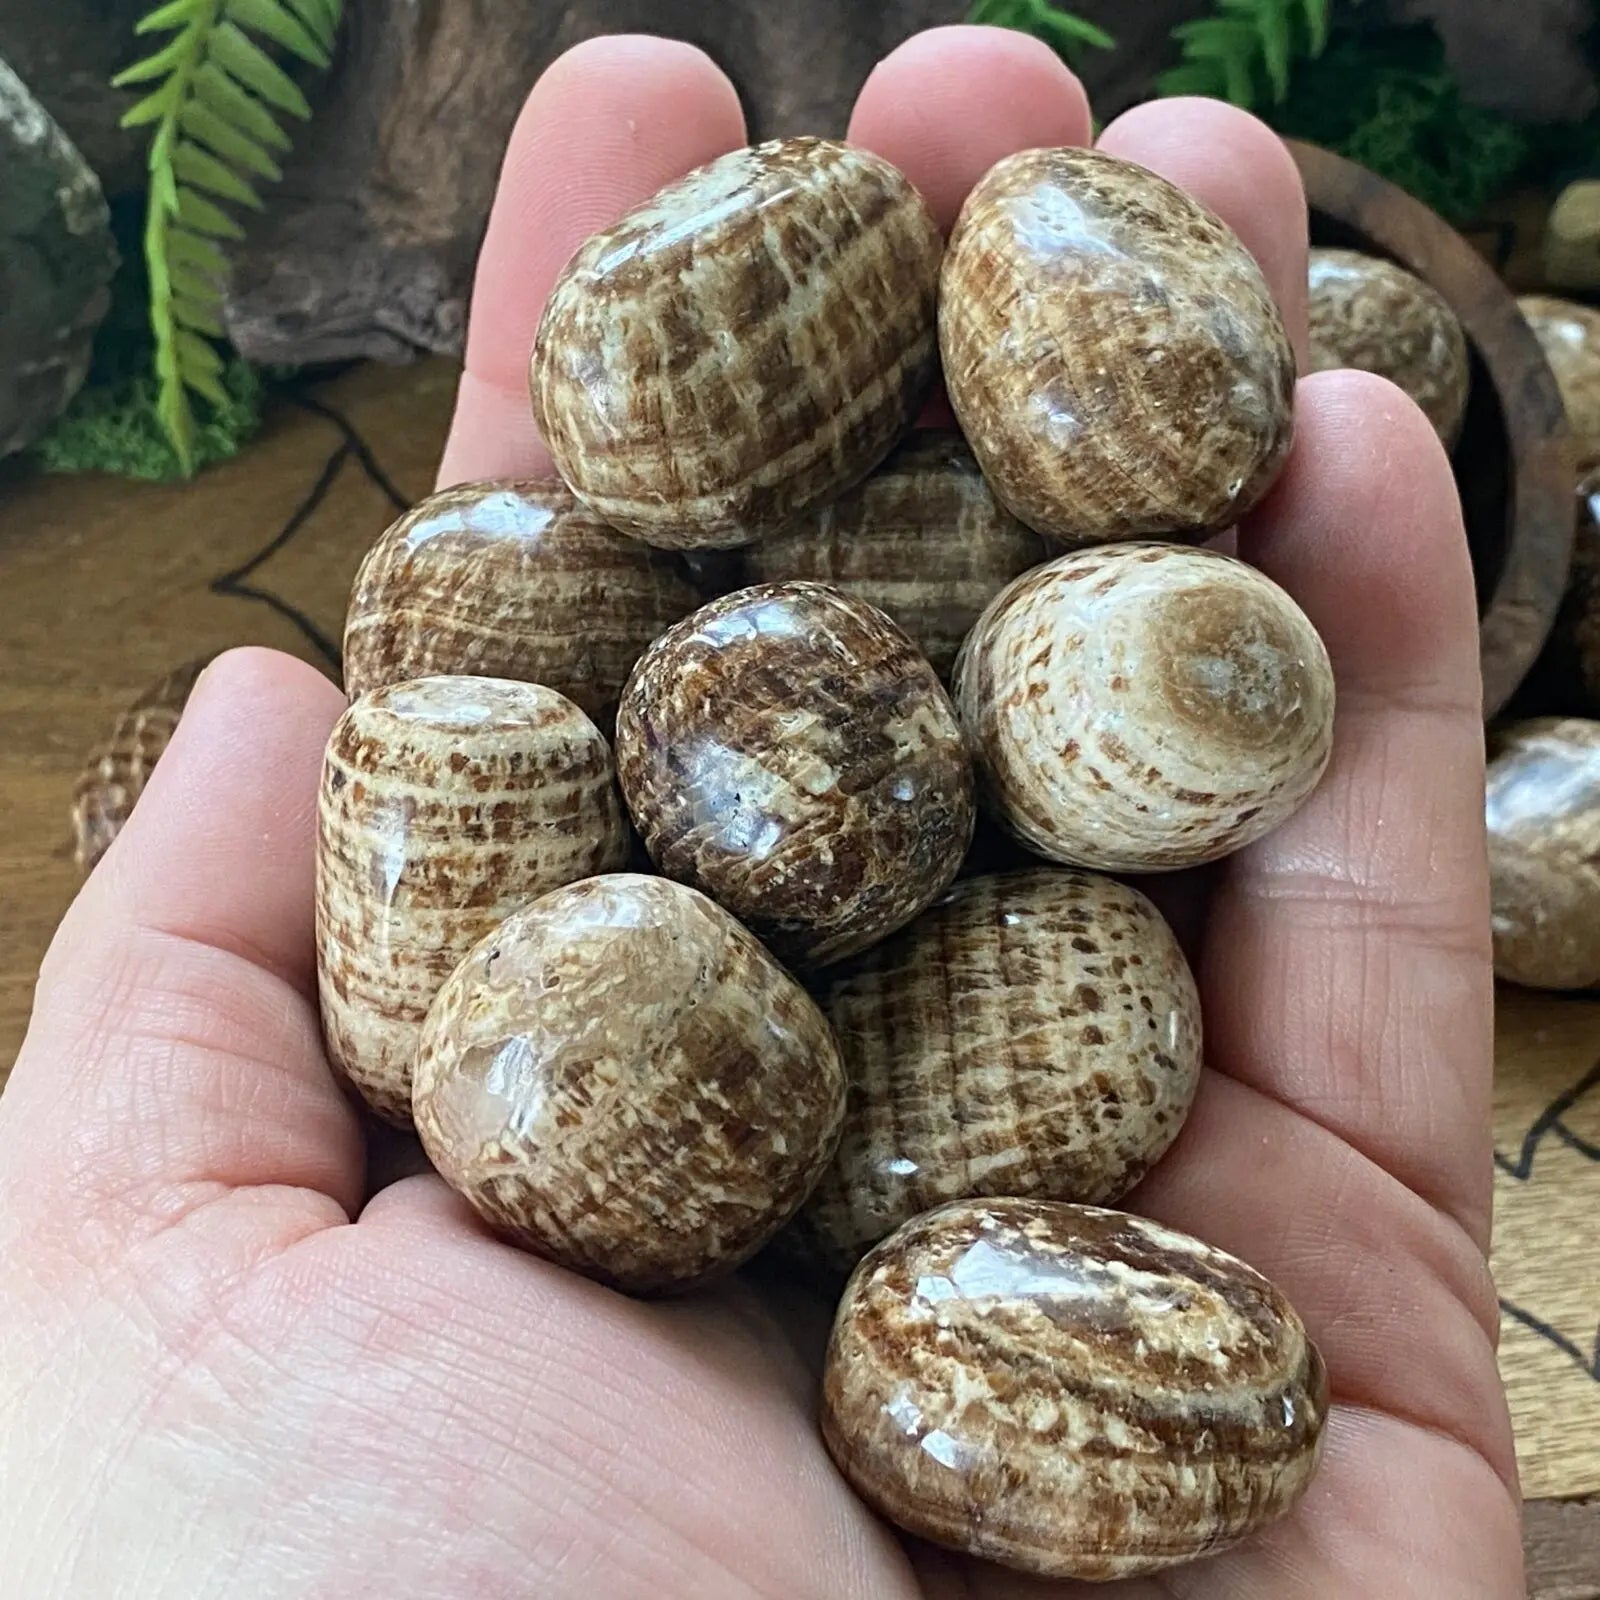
(203,170)
(178,14)
(215,90)
(197,315)
(152,107)
(205,383)
(172,406)
(1273,32)
(195,356)
(196,253)
(320,16)
(198,287)
(280,25)
(1191,77)
(200,122)
(1240,82)
(256,70)
(174,53)
(1064,29)
(195,211)
(163,188)
(1214,38)
(1316,14)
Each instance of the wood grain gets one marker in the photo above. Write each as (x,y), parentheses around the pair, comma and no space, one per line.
(109,587)
(1547,1246)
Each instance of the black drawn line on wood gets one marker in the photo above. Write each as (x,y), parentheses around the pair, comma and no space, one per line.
(1549,1121)
(233,583)
(364,452)
(1576,1141)
(1589,1363)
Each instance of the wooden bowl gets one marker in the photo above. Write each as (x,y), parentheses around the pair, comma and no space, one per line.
(1513,462)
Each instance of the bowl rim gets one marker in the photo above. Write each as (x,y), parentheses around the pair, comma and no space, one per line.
(1522,607)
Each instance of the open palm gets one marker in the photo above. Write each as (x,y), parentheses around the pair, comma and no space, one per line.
(222,1374)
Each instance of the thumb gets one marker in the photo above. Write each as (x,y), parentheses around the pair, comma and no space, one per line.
(174,1036)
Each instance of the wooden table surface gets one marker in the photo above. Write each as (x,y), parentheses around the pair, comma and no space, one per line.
(108,585)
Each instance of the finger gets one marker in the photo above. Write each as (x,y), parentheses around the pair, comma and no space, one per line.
(950,102)
(174,1014)
(1347,967)
(607,125)
(1243,171)
(1403,1309)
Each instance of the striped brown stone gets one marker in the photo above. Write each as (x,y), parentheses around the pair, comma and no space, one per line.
(1112,352)
(742,347)
(1543,813)
(922,539)
(445,802)
(114,773)
(510,580)
(1375,316)
(1141,706)
(1034,1034)
(1569,334)
(786,750)
(621,1079)
(1068,1391)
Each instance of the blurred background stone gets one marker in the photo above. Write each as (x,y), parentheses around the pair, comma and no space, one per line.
(56,259)
(66,52)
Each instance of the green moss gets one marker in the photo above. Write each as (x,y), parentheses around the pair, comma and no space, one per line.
(1387,100)
(115,428)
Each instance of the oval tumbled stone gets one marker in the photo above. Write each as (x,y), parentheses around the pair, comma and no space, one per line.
(1072,1392)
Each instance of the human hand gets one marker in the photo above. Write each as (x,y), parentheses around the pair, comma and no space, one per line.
(226,1371)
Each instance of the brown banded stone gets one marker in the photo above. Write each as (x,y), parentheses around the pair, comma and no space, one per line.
(1112,352)
(1034,1034)
(786,750)
(1373,315)
(621,1079)
(923,539)
(1543,815)
(114,773)
(1068,1391)
(510,580)
(744,346)
(1569,334)
(1140,707)
(445,802)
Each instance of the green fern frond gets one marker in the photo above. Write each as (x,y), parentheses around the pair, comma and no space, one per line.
(1068,34)
(215,117)
(1249,48)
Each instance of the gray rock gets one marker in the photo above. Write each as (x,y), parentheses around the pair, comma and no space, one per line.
(56,260)
(66,51)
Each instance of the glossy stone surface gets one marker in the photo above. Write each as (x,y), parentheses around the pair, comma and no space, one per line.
(1543,815)
(1142,707)
(744,346)
(510,580)
(788,751)
(114,773)
(622,1080)
(922,539)
(1371,314)
(445,803)
(1112,352)
(1034,1034)
(1569,334)
(1069,1391)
